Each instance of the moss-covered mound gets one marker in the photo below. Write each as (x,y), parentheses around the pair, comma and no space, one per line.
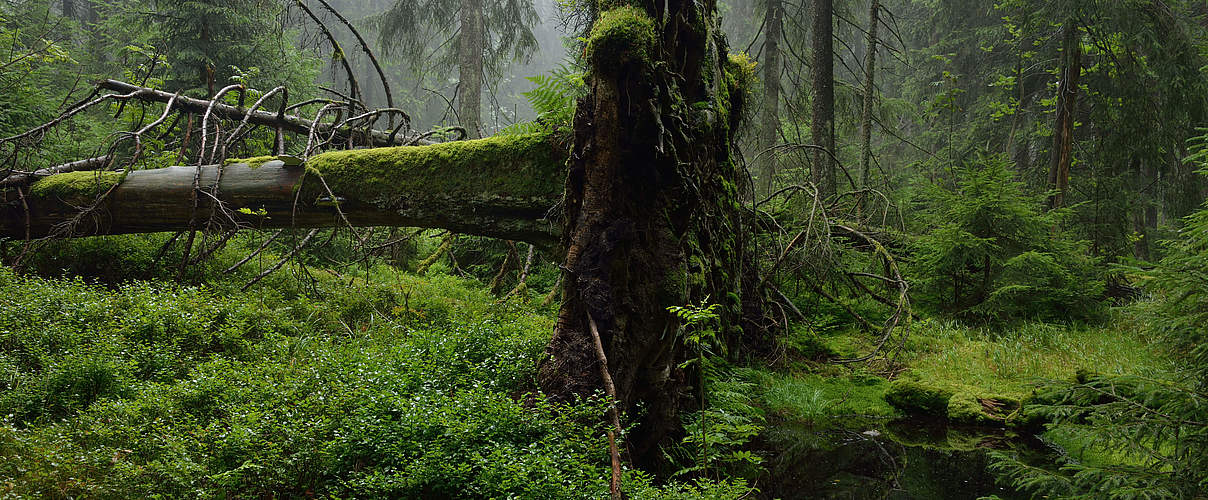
(963,405)
(621,36)
(916,398)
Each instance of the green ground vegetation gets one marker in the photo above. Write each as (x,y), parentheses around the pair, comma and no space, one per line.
(369,382)
(944,360)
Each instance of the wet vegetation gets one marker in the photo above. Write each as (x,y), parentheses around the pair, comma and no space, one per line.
(685,249)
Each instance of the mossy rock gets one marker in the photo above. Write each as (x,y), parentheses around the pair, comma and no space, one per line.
(76,185)
(967,407)
(621,36)
(1028,420)
(914,397)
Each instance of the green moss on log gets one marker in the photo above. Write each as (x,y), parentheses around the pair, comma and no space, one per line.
(76,185)
(621,36)
(252,162)
(521,167)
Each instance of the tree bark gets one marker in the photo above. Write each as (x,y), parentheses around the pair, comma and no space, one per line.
(870,95)
(823,123)
(472,41)
(469,196)
(1063,128)
(769,130)
(651,210)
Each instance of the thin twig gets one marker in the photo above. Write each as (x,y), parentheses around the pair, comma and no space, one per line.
(255,253)
(283,260)
(614,486)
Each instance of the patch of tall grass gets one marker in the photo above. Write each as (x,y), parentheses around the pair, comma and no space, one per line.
(1010,359)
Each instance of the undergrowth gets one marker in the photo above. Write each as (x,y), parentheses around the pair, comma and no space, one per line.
(362,381)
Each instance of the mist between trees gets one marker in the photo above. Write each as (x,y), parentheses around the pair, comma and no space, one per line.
(624,248)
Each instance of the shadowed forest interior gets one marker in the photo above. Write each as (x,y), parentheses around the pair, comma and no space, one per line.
(849,249)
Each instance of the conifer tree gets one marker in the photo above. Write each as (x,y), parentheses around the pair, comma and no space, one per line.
(478,37)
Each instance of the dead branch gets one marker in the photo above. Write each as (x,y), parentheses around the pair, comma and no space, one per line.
(903,302)
(255,106)
(289,123)
(252,255)
(337,51)
(553,292)
(283,260)
(22,178)
(497,282)
(613,415)
(440,250)
(521,283)
(372,59)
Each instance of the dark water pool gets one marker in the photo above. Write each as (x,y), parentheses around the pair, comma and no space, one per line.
(896,461)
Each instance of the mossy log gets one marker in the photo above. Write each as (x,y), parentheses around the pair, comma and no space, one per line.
(501,187)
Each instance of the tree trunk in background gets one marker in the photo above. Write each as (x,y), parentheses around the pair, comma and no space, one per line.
(1145,215)
(870,93)
(1063,128)
(91,14)
(823,125)
(769,127)
(652,211)
(469,66)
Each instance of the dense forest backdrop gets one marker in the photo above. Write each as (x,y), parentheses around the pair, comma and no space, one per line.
(579,248)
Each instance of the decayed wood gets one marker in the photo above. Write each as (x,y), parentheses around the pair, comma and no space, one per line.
(160,200)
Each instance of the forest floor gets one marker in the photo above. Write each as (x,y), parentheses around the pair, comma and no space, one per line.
(117,381)
(851,418)
(1005,360)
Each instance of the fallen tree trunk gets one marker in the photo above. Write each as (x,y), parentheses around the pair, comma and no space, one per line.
(502,187)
